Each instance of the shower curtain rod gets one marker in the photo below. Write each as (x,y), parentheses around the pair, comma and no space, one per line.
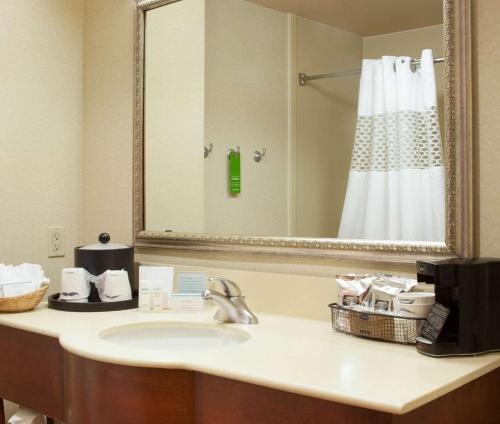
(303,78)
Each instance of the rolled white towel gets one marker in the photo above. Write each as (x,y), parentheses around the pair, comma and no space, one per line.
(26,416)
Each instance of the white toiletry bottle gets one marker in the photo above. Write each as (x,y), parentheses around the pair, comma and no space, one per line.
(145,295)
(157,294)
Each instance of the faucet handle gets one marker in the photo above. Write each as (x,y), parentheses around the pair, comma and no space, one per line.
(231,289)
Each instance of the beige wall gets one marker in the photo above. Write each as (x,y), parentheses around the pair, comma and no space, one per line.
(405,43)
(281,270)
(246,106)
(41,44)
(273,284)
(108,73)
(325,124)
(174,117)
(411,43)
(486,86)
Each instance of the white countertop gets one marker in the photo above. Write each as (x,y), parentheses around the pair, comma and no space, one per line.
(291,354)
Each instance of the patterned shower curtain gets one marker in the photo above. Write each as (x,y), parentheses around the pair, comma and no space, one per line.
(396,181)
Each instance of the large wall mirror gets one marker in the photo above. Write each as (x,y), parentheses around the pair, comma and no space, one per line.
(313,127)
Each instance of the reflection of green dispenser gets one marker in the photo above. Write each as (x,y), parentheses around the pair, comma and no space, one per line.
(234,174)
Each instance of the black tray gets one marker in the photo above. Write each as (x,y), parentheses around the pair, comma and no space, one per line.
(55,303)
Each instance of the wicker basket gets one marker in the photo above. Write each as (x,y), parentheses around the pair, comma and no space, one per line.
(23,303)
(375,325)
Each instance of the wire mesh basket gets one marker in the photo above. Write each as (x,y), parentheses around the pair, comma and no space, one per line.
(375,325)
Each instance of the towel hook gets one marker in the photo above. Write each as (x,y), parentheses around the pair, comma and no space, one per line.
(208,149)
(257,156)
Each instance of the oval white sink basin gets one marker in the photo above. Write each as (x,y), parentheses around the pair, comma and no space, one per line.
(174,336)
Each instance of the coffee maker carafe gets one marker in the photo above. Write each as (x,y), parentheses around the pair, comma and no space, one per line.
(470,289)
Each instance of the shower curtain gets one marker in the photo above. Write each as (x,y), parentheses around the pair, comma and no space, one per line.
(396,181)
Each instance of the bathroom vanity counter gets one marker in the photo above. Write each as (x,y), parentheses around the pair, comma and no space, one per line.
(294,355)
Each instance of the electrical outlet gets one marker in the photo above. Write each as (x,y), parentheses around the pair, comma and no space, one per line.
(55,239)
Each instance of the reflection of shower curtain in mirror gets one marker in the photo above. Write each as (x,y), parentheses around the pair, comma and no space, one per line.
(396,182)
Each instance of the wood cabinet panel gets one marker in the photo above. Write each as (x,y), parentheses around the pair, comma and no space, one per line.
(98,392)
(31,371)
(101,392)
(223,401)
(477,402)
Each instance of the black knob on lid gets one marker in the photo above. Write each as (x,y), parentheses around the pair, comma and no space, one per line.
(104,238)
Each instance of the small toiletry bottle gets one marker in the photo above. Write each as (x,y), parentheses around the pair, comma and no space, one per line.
(145,295)
(157,294)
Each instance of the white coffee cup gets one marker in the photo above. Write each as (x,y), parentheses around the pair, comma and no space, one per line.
(114,286)
(75,285)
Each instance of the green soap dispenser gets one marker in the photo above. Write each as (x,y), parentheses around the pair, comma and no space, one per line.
(234,174)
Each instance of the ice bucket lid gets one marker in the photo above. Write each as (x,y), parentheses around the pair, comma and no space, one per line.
(104,244)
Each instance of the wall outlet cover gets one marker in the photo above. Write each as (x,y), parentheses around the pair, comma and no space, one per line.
(56,242)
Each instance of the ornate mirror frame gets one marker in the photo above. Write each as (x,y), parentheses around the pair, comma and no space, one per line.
(458,157)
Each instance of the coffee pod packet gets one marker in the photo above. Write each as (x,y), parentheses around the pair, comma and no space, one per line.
(354,289)
(385,288)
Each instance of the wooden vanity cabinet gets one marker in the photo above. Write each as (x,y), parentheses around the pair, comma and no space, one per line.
(99,392)
(131,395)
(37,373)
(31,371)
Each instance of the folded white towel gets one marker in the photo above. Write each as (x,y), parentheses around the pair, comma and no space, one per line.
(21,279)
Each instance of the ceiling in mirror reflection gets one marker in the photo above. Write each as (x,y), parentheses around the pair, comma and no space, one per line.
(364,17)
(222,76)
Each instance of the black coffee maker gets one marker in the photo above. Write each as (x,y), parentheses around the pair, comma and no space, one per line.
(470,290)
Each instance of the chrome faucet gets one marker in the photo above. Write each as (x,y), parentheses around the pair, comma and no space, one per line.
(232,306)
